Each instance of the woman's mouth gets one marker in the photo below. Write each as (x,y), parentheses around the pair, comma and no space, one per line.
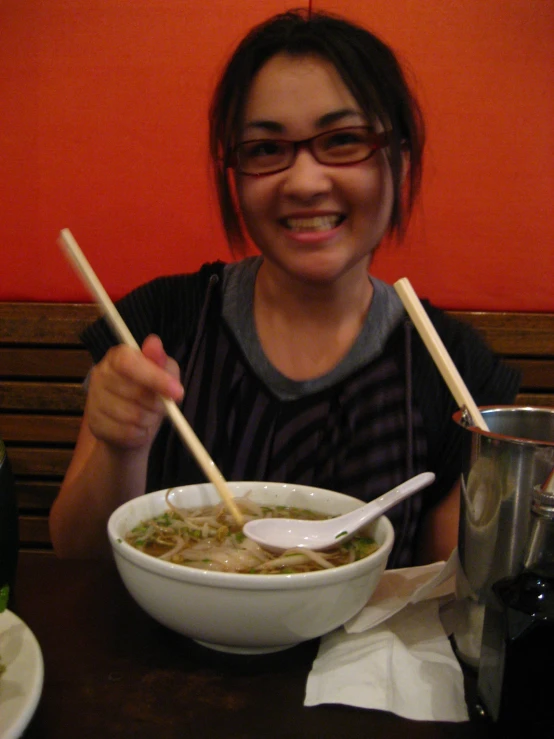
(313,223)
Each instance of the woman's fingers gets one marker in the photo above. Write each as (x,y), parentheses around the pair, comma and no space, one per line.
(123,423)
(124,406)
(153,349)
(143,375)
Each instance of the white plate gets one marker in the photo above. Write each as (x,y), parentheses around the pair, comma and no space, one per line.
(21,682)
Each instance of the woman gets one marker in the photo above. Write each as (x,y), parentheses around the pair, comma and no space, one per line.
(297,365)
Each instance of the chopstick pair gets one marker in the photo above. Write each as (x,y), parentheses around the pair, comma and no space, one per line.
(183,428)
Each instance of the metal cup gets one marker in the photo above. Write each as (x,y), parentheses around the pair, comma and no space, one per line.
(499,470)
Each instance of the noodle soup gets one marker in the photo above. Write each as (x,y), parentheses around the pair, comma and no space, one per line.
(208,538)
(244,613)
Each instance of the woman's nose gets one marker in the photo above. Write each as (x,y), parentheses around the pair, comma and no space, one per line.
(306,178)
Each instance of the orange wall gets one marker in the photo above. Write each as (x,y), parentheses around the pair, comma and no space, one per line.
(103,130)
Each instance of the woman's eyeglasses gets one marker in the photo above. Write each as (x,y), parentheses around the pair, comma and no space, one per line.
(336,148)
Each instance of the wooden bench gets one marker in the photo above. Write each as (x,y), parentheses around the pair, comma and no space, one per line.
(42,367)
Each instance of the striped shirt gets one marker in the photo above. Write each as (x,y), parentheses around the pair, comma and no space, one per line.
(360,435)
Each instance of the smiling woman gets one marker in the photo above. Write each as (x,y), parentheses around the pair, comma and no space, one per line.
(363,82)
(314,221)
(295,366)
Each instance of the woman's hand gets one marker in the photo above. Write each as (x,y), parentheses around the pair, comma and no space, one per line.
(122,416)
(124,408)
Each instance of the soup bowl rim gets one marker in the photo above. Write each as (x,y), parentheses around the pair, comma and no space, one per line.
(381,527)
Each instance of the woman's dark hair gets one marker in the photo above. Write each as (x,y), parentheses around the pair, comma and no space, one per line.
(368,68)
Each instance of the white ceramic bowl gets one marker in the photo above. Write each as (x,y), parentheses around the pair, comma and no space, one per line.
(246,614)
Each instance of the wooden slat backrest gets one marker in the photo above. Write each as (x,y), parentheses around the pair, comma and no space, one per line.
(68,363)
(44,323)
(42,368)
(43,365)
(525,341)
(514,334)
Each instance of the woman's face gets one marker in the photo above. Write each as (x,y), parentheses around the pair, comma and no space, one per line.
(313,221)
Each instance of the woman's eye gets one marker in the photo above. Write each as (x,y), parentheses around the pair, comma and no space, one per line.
(262,149)
(344,138)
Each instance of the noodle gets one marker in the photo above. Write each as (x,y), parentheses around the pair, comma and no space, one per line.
(209,539)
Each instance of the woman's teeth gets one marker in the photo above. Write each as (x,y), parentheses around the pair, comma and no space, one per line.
(317,223)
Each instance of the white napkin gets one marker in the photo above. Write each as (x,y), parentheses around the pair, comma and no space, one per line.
(395,655)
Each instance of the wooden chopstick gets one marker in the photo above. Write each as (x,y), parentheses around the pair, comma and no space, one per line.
(438,351)
(183,428)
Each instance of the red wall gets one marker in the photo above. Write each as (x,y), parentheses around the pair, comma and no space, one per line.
(103,130)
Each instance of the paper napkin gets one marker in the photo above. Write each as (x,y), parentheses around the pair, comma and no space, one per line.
(395,655)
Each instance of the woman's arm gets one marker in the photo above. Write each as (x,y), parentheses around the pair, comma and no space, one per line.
(439,530)
(122,416)
(100,477)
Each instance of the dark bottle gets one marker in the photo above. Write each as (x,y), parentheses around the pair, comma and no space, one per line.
(516,669)
(9,533)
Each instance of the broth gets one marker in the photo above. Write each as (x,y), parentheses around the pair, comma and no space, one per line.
(208,538)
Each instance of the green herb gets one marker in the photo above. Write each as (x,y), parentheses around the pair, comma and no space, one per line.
(4,595)
(366,540)
(342,533)
(240,537)
(195,533)
(363,546)
(140,529)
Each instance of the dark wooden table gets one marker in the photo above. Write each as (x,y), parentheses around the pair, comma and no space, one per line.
(111,671)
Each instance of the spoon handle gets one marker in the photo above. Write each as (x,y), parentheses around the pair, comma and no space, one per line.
(397,494)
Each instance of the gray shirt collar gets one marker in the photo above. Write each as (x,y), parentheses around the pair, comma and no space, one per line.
(383,317)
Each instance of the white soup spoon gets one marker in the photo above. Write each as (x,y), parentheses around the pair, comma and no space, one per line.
(279,534)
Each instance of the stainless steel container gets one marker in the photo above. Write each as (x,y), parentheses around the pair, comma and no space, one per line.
(499,470)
